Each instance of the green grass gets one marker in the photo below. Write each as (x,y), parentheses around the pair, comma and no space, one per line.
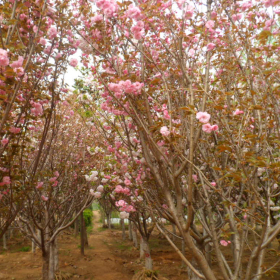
(24,249)
(101,229)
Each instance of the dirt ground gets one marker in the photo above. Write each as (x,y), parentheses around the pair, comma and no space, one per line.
(107,258)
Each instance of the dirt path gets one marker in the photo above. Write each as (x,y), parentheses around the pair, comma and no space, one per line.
(106,265)
(100,262)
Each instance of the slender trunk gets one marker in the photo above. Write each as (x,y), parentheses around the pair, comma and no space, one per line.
(183,251)
(86,236)
(5,242)
(134,237)
(76,227)
(142,254)
(129,230)
(147,254)
(50,261)
(82,234)
(108,217)
(123,229)
(103,218)
(33,246)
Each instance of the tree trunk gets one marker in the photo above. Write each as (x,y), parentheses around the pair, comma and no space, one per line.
(123,229)
(142,254)
(129,230)
(147,254)
(134,236)
(183,251)
(103,218)
(5,242)
(109,221)
(76,227)
(86,236)
(82,234)
(50,261)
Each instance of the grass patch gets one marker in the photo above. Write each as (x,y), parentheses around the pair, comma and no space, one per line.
(24,249)
(101,229)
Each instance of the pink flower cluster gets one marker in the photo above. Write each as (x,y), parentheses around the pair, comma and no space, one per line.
(5,181)
(109,7)
(120,189)
(4,59)
(133,12)
(124,206)
(73,62)
(204,117)
(4,141)
(164,131)
(52,32)
(138,30)
(37,109)
(126,87)
(224,243)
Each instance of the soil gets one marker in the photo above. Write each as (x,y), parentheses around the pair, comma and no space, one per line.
(107,258)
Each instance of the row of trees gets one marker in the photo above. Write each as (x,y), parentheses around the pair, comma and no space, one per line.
(185,95)
(184,101)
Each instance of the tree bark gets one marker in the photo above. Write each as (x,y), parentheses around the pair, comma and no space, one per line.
(129,230)
(82,234)
(4,242)
(123,229)
(134,236)
(147,254)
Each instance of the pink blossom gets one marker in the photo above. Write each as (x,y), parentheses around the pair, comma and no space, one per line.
(4,60)
(96,18)
(6,180)
(100,188)
(109,7)
(133,12)
(17,63)
(52,32)
(19,71)
(210,24)
(195,178)
(203,117)
(191,52)
(56,174)
(237,112)
(164,131)
(236,17)
(189,11)
(4,141)
(37,109)
(52,179)
(138,30)
(55,183)
(14,130)
(97,194)
(224,243)
(44,198)
(210,46)
(213,184)
(39,185)
(214,127)
(164,206)
(207,128)
(73,62)
(42,41)
(127,182)
(124,215)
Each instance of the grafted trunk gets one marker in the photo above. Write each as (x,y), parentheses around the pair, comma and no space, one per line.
(134,237)
(76,227)
(147,254)
(109,221)
(129,230)
(50,261)
(141,251)
(82,234)
(5,242)
(123,229)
